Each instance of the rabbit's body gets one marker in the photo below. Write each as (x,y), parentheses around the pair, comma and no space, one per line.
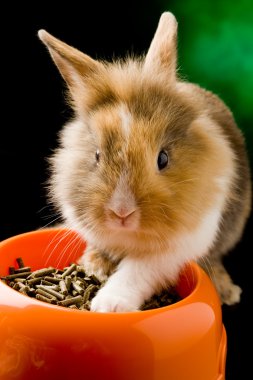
(153,172)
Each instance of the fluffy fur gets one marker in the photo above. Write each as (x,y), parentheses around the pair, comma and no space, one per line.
(144,223)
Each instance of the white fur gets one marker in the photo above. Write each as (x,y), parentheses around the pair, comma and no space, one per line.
(136,279)
(126,119)
(123,205)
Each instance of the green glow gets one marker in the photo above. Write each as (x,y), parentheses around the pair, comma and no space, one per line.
(216,51)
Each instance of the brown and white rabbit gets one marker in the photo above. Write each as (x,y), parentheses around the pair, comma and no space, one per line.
(152,171)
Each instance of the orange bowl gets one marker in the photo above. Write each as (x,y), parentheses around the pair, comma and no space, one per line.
(183,341)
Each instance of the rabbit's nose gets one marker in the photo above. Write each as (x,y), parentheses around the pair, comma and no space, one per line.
(123,216)
(123,212)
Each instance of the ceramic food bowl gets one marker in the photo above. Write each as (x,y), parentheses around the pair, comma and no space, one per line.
(183,341)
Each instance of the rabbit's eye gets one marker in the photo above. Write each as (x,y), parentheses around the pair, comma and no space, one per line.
(162,160)
(97,156)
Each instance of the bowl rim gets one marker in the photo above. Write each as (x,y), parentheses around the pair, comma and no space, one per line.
(197,275)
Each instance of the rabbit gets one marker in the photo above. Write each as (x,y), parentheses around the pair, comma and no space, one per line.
(152,171)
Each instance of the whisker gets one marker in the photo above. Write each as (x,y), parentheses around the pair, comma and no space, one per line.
(50,223)
(206,264)
(67,249)
(183,181)
(190,276)
(53,241)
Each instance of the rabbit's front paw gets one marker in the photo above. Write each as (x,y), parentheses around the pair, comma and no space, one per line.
(106,302)
(96,263)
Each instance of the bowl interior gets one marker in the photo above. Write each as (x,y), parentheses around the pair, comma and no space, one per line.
(43,248)
(59,248)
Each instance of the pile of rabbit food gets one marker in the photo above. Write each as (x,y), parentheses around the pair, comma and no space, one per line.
(69,287)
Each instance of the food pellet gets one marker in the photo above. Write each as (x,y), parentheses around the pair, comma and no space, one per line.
(11,270)
(70,287)
(63,287)
(71,301)
(45,299)
(45,294)
(20,262)
(43,272)
(17,275)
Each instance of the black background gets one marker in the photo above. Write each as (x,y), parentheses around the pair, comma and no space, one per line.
(33,111)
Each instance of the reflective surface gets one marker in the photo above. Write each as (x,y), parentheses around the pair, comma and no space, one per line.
(186,340)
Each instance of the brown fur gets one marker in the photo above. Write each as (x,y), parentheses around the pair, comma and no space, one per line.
(208,167)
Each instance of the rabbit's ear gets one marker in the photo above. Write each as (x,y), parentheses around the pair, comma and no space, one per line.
(73,65)
(162,54)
